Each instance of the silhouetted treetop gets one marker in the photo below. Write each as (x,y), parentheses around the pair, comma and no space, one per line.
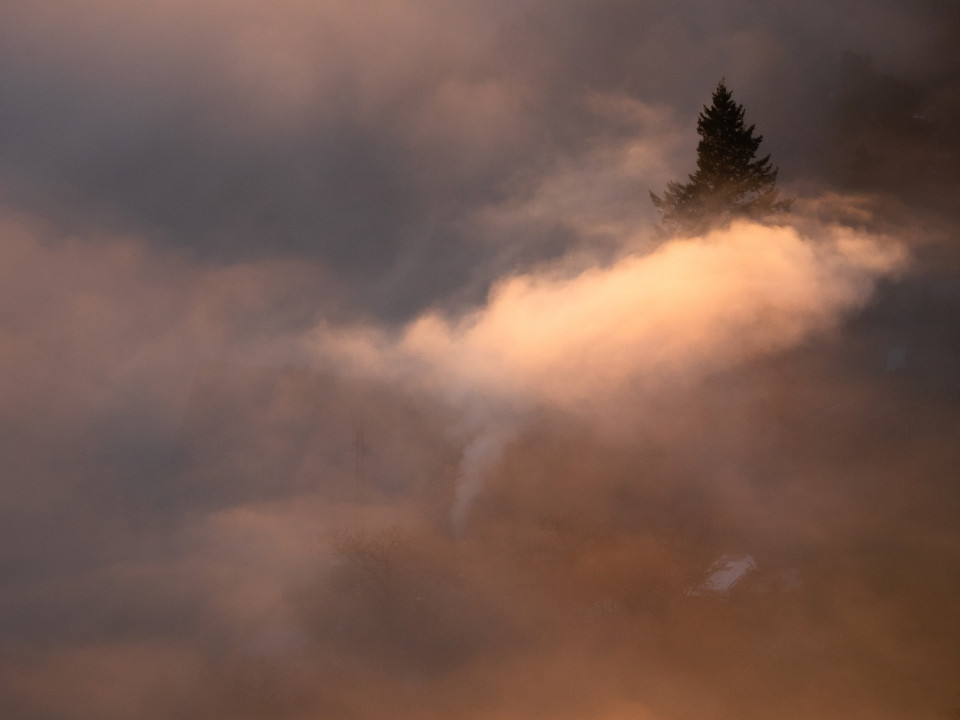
(730,181)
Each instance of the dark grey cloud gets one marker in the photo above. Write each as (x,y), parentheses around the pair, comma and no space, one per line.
(364,138)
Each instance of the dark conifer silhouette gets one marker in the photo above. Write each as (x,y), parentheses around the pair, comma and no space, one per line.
(729,182)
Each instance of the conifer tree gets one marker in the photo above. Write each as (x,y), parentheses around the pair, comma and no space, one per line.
(729,181)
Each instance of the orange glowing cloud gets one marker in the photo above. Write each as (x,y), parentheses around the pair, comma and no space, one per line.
(694,306)
(593,343)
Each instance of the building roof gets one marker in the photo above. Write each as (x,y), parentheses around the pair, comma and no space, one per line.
(723,576)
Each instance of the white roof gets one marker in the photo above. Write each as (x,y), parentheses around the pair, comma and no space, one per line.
(724,574)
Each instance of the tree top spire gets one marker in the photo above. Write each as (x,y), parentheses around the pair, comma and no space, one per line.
(730,181)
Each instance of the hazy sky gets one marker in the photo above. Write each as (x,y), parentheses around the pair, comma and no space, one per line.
(419,149)
(345,376)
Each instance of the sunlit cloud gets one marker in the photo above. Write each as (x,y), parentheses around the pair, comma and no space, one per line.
(594,342)
(692,306)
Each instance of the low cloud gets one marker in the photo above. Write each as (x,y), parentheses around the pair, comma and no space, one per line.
(595,342)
